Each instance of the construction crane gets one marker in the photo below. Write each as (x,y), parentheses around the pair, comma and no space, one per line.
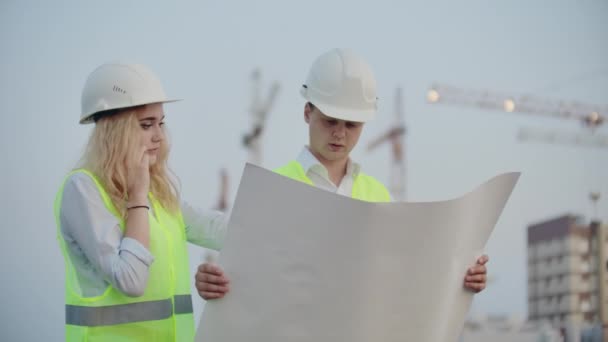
(594,196)
(589,115)
(222,202)
(593,140)
(258,110)
(395,135)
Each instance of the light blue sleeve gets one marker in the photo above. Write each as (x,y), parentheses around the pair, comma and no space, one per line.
(96,244)
(206,228)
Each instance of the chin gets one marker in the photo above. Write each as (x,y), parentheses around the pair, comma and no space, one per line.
(334,156)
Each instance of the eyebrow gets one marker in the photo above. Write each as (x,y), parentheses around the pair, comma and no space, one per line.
(152,118)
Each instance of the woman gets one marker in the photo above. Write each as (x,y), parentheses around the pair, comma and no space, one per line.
(121,226)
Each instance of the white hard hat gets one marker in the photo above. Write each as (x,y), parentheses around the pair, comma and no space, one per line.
(342,86)
(119,85)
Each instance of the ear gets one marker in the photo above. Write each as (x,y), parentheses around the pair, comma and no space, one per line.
(307,112)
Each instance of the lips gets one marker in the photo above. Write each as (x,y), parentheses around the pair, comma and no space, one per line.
(335,147)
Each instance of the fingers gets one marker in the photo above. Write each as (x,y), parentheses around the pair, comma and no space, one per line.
(135,157)
(211,269)
(206,287)
(477,269)
(475,283)
(144,158)
(209,278)
(145,161)
(476,277)
(142,152)
(482,260)
(210,295)
(138,161)
(210,282)
(479,278)
(475,287)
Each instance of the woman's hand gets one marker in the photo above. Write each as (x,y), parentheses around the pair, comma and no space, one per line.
(138,178)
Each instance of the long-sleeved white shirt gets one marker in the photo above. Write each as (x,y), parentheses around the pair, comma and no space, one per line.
(99,252)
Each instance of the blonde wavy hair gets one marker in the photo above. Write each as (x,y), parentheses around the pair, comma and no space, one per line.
(113,143)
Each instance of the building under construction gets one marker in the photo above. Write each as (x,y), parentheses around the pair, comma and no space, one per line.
(567,267)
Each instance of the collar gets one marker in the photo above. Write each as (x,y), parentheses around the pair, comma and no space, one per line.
(310,163)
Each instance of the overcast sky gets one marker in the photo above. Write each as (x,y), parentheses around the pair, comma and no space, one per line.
(204,51)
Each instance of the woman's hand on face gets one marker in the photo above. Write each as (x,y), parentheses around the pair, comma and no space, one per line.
(139,177)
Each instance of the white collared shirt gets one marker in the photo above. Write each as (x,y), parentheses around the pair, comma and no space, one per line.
(319,176)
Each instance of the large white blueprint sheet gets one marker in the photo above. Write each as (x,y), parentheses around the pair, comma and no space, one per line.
(309,265)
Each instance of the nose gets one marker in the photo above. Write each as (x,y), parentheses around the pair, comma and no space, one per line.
(159,134)
(339,131)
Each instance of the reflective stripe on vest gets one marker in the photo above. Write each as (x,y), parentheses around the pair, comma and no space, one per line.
(365,188)
(127,313)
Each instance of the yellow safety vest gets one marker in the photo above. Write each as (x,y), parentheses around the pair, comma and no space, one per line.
(365,188)
(162,313)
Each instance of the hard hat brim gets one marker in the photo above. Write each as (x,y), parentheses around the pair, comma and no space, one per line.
(341,113)
(345,114)
(88,118)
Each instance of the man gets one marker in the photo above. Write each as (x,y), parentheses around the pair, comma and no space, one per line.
(341,96)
